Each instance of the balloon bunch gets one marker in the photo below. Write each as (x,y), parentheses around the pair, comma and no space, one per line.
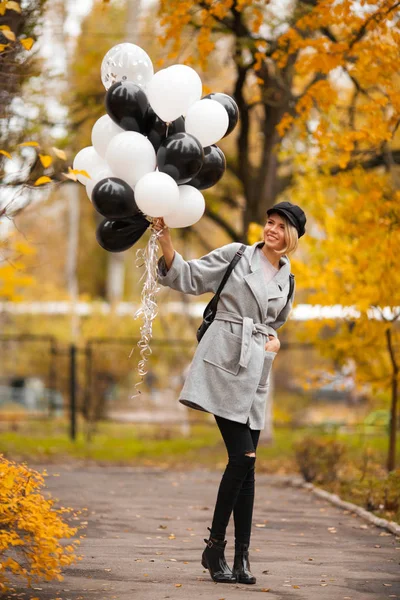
(152,153)
(155,148)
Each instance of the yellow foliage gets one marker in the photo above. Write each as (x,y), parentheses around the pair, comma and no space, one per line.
(34,144)
(59,153)
(31,528)
(11,5)
(42,180)
(10,35)
(254,233)
(351,261)
(46,160)
(27,43)
(12,267)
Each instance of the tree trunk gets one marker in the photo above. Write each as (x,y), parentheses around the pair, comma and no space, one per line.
(72,193)
(116,261)
(391,459)
(260,185)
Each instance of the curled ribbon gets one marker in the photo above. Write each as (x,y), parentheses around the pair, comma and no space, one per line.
(148,310)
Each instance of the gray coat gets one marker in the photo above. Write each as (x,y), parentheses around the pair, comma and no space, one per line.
(229,373)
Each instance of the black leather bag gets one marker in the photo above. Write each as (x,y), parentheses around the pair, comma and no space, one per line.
(211,308)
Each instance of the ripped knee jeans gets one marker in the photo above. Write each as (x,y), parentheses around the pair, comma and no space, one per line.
(236,490)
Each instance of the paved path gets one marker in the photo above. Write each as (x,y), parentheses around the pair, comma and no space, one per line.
(145,537)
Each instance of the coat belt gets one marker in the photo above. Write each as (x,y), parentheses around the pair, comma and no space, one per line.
(249,328)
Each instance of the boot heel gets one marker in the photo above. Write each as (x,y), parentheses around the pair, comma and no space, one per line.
(204,564)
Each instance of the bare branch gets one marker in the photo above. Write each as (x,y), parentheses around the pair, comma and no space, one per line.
(234,235)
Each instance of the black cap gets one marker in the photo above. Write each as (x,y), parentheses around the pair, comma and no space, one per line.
(293,213)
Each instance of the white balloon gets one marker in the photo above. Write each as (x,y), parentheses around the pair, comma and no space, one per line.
(171,91)
(126,62)
(157,194)
(190,81)
(190,208)
(87,160)
(97,176)
(207,120)
(103,131)
(130,155)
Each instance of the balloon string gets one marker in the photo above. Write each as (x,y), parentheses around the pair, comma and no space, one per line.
(148,258)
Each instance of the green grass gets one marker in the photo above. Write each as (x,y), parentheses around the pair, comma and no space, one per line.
(165,446)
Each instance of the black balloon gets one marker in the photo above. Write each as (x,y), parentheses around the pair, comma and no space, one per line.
(230,106)
(157,130)
(180,156)
(114,198)
(213,168)
(121,234)
(127,104)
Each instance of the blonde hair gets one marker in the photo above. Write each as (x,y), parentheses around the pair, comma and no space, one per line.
(291,236)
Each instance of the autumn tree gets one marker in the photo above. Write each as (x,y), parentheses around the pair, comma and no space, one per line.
(285,63)
(318,89)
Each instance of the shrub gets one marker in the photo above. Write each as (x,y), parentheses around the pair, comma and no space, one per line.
(30,528)
(318,458)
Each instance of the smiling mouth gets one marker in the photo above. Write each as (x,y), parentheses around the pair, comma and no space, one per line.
(272,237)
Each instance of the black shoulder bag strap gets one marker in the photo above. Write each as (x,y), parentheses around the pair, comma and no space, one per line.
(229,270)
(291,288)
(211,308)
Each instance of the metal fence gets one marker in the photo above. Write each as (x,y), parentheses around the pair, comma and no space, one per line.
(41,377)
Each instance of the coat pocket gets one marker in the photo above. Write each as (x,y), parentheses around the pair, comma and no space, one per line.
(224,351)
(268,360)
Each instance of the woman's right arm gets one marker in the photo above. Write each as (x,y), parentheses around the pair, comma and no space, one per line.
(165,242)
(196,276)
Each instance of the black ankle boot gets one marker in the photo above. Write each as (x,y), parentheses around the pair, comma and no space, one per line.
(213,559)
(241,564)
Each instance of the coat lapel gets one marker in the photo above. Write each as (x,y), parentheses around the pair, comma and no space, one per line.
(255,280)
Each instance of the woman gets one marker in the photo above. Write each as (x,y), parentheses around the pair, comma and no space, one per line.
(229,373)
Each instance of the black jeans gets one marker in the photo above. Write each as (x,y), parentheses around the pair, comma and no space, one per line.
(236,490)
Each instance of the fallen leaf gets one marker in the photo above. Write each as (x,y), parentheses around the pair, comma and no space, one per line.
(28,144)
(162,526)
(27,43)
(297,587)
(171,537)
(260,525)
(324,584)
(265,590)
(42,180)
(178,585)
(387,584)
(107,569)
(377,546)
(6,154)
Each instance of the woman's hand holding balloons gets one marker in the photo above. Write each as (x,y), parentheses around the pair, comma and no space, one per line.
(165,241)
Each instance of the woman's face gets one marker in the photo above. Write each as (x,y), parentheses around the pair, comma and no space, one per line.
(274,232)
